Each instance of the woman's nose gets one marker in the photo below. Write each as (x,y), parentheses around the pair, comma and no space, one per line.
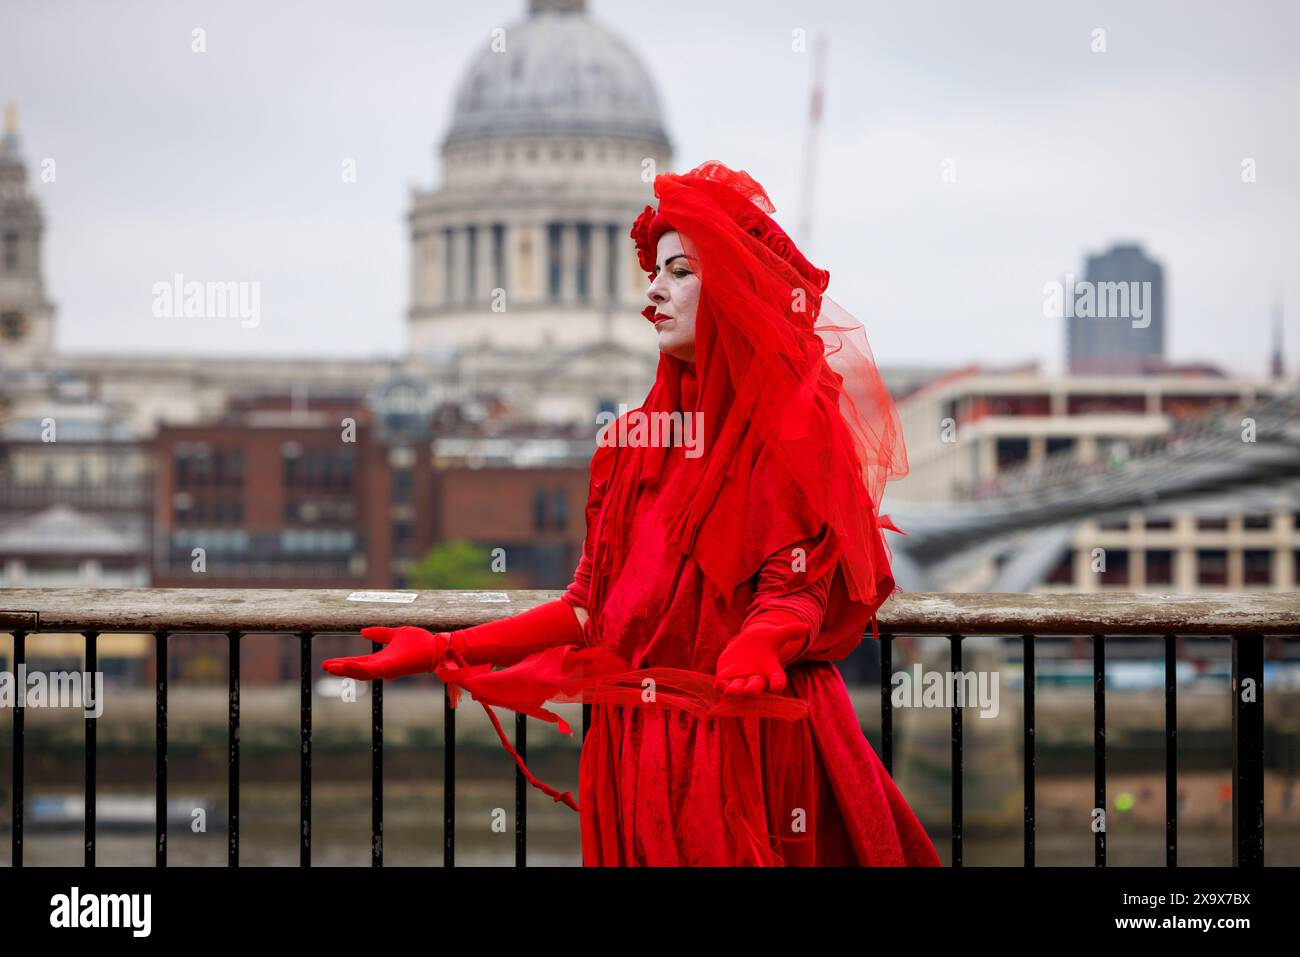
(656,294)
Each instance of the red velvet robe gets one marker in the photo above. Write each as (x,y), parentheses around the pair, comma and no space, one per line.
(654,788)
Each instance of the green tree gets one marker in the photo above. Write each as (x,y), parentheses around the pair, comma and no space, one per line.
(459,564)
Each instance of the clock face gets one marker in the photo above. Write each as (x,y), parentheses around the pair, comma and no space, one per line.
(13,326)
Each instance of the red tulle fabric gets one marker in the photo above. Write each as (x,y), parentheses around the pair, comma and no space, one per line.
(777,517)
(782,370)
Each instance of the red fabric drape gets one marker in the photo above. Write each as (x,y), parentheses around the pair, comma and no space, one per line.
(781,512)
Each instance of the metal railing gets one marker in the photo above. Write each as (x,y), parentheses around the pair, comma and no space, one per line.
(1244,618)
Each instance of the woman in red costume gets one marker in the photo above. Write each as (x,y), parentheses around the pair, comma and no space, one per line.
(733,552)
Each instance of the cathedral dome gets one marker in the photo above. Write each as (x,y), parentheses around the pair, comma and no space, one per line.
(560,74)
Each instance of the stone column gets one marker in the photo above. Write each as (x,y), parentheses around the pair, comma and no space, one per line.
(988,458)
(1037,450)
(456,279)
(1185,568)
(435,256)
(568,263)
(486,269)
(419,258)
(599,264)
(1085,579)
(1283,569)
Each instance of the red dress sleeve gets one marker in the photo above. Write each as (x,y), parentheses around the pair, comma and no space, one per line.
(785,593)
(576,593)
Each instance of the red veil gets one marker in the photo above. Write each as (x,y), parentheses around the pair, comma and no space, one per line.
(780,367)
(781,370)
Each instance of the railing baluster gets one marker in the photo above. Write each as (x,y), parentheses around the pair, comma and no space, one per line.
(20,709)
(232,761)
(448,780)
(1247,751)
(1099,745)
(521,792)
(955,667)
(886,705)
(160,749)
(304,741)
(376,767)
(1030,749)
(1171,751)
(92,665)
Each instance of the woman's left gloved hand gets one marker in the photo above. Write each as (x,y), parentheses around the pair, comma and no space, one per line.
(754,661)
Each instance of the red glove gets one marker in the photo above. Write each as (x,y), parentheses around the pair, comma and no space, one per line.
(409,650)
(755,659)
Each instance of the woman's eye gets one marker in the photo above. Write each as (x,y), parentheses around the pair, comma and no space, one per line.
(679,273)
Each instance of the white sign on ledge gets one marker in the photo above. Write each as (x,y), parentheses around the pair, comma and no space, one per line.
(400,597)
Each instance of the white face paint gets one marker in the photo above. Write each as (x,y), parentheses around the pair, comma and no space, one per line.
(675,293)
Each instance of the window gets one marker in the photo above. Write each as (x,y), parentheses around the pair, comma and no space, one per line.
(1063,572)
(402,484)
(12,325)
(1160,566)
(403,538)
(1012,452)
(1256,567)
(539,509)
(1116,571)
(1211,566)
(1257,522)
(1214,524)
(550,509)
(11,252)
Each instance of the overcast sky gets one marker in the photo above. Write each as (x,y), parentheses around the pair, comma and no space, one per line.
(226,164)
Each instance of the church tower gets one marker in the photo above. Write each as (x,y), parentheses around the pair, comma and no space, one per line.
(26,316)
(521,261)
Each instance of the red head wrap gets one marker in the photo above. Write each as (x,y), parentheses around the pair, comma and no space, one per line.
(779,391)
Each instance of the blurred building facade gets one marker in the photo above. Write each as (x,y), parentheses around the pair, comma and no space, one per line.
(985,444)
(1115,318)
(26,314)
(520,259)
(524,324)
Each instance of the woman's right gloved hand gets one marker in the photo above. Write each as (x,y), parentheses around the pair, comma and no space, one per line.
(409,650)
